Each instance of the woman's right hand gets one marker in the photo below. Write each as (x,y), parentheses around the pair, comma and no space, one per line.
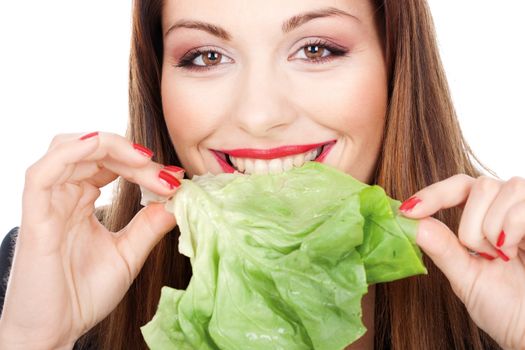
(69,272)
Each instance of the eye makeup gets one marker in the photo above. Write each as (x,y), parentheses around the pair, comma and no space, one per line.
(335,51)
(188,60)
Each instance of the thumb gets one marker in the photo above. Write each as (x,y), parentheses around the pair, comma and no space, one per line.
(445,250)
(142,234)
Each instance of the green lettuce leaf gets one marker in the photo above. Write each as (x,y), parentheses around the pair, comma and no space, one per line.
(280,261)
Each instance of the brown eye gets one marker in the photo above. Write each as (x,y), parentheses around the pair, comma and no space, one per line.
(211,58)
(314,51)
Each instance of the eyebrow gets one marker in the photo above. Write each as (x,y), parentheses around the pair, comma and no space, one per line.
(207,27)
(287,26)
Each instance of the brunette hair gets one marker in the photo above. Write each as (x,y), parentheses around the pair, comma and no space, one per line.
(422,144)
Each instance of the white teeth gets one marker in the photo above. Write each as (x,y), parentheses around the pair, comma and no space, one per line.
(288,163)
(298,160)
(311,155)
(275,165)
(248,164)
(240,164)
(261,167)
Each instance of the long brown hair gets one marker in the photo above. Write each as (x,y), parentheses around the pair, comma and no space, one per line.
(422,144)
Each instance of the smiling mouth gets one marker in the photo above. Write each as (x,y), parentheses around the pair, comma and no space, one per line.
(272,161)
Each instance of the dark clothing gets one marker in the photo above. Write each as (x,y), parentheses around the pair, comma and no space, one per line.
(6,258)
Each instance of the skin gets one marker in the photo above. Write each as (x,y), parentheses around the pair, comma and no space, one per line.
(81,270)
(266,93)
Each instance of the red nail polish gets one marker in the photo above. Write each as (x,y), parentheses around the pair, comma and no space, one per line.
(173,168)
(486,256)
(501,239)
(502,255)
(144,150)
(409,204)
(88,136)
(168,179)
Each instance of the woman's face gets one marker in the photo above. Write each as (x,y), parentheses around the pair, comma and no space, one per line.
(264,85)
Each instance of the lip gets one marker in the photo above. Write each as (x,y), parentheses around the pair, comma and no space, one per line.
(227,168)
(278,152)
(325,152)
(272,153)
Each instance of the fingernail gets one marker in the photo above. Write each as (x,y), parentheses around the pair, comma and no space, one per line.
(168,180)
(173,168)
(501,239)
(502,255)
(88,136)
(144,150)
(486,256)
(409,204)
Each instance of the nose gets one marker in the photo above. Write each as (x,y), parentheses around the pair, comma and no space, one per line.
(260,105)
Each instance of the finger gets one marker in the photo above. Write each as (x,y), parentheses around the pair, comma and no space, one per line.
(140,236)
(41,175)
(59,164)
(56,165)
(110,145)
(102,173)
(149,176)
(513,230)
(470,231)
(61,138)
(443,247)
(117,147)
(86,193)
(148,196)
(474,194)
(444,194)
(153,176)
(512,192)
(93,173)
(118,144)
(178,172)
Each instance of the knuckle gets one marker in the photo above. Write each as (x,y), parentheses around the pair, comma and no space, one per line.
(32,174)
(30,171)
(467,240)
(489,227)
(109,137)
(463,177)
(516,184)
(109,141)
(57,140)
(486,184)
(463,239)
(516,216)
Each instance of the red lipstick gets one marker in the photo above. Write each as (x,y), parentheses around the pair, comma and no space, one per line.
(325,152)
(227,168)
(272,153)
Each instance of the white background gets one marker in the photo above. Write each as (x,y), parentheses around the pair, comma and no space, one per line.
(63,68)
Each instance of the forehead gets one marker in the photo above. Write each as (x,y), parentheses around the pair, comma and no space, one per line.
(243,14)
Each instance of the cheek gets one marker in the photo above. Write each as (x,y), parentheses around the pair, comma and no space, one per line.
(193,110)
(353,102)
(188,120)
(184,117)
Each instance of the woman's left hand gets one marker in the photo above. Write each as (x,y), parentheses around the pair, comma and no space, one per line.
(490,278)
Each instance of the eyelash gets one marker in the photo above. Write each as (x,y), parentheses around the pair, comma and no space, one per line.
(186,62)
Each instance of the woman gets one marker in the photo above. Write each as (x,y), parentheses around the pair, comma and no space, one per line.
(234,79)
